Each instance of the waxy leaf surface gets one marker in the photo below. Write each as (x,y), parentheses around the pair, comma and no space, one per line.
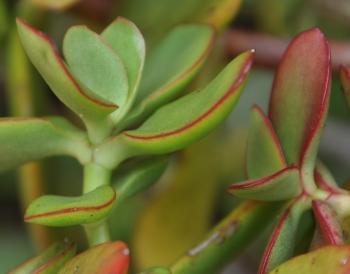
(300,95)
(28,139)
(281,244)
(52,210)
(279,186)
(45,57)
(329,224)
(325,181)
(191,117)
(264,152)
(330,259)
(111,258)
(139,178)
(127,41)
(49,261)
(95,65)
(170,66)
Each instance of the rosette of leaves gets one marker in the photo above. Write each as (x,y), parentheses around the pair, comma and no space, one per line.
(129,107)
(281,160)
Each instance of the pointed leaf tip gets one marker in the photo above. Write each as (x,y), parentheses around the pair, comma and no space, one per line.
(300,95)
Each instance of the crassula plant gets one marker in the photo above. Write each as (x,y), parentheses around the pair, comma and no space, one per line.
(127,103)
(282,164)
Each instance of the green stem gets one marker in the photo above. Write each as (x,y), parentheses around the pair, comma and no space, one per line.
(227,239)
(94,177)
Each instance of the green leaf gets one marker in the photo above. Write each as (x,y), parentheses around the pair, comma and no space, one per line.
(52,210)
(282,185)
(329,224)
(27,139)
(95,65)
(264,152)
(330,259)
(139,178)
(345,80)
(281,244)
(170,66)
(300,96)
(45,57)
(105,258)
(50,261)
(325,181)
(55,5)
(156,270)
(127,41)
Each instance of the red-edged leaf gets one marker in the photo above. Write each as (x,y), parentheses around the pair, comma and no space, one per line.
(264,152)
(345,80)
(281,185)
(111,258)
(300,96)
(328,223)
(281,244)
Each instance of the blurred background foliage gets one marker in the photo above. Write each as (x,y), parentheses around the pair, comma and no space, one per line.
(189,199)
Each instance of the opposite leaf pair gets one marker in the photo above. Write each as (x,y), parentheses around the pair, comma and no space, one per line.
(282,149)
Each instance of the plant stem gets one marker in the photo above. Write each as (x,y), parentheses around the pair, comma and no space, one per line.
(227,239)
(94,177)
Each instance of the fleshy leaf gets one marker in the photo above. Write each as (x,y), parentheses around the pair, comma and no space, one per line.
(52,210)
(45,57)
(50,261)
(325,180)
(264,152)
(329,259)
(180,123)
(281,244)
(328,223)
(27,139)
(156,270)
(170,66)
(345,80)
(94,63)
(300,96)
(139,178)
(127,41)
(111,258)
(54,4)
(279,186)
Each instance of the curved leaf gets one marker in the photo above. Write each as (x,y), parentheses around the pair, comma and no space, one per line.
(27,139)
(45,57)
(325,180)
(95,65)
(156,270)
(139,178)
(170,66)
(345,80)
(127,41)
(111,258)
(184,121)
(281,244)
(330,259)
(300,96)
(52,210)
(264,152)
(328,223)
(281,185)
(50,261)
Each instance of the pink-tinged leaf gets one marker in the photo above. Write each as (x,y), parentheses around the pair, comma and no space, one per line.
(300,96)
(345,80)
(328,223)
(107,258)
(264,152)
(281,185)
(326,260)
(50,261)
(281,244)
(45,57)
(325,181)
